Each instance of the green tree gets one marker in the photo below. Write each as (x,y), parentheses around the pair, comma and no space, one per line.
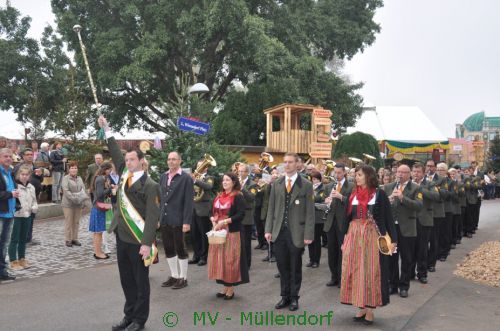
(139,50)
(355,144)
(494,154)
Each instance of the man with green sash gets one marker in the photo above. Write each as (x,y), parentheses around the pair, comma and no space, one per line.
(135,222)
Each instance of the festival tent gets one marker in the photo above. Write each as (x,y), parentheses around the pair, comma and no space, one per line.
(401,129)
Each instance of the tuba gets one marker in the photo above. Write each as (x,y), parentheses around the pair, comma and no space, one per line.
(208,160)
(265,159)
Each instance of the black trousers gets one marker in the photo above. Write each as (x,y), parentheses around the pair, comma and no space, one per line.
(259,225)
(455,228)
(461,224)
(134,278)
(335,239)
(433,254)
(406,249)
(422,250)
(247,242)
(445,232)
(470,214)
(201,225)
(289,261)
(476,214)
(173,241)
(315,247)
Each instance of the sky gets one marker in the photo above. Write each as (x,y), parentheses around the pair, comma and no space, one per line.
(439,55)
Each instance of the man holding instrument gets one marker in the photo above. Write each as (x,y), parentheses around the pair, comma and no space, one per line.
(134,224)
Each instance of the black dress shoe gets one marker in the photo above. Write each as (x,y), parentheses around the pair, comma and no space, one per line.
(229,297)
(294,305)
(69,244)
(170,282)
(393,290)
(309,264)
(101,258)
(76,242)
(277,275)
(423,280)
(284,302)
(181,283)
(122,325)
(202,263)
(134,326)
(220,295)
(266,259)
(314,265)
(469,235)
(442,259)
(259,246)
(332,283)
(431,269)
(7,277)
(193,261)
(359,318)
(403,293)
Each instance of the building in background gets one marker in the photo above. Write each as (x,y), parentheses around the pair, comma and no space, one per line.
(479,130)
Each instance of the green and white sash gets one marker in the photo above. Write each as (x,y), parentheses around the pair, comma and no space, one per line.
(133,219)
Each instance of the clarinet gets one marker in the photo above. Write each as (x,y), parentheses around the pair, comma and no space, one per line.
(328,207)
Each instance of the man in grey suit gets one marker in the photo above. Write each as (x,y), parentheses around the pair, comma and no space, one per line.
(290,225)
(91,170)
(249,190)
(338,196)
(425,221)
(406,201)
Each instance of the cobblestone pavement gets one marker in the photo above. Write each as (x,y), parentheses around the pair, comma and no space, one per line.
(52,256)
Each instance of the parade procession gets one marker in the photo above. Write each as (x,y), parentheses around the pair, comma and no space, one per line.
(183,165)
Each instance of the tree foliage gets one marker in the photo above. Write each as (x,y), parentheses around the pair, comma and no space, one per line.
(140,50)
(355,144)
(494,154)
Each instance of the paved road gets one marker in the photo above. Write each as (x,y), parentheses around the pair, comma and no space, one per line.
(91,299)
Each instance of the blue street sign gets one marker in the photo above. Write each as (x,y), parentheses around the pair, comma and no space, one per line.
(186,124)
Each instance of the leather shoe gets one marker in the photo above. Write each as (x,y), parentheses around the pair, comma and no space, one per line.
(314,265)
(403,293)
(170,282)
(181,283)
(332,283)
(431,269)
(122,325)
(259,246)
(69,244)
(294,305)
(266,259)
(135,327)
(202,263)
(284,302)
(193,261)
(442,259)
(309,265)
(393,290)
(76,243)
(277,275)
(423,280)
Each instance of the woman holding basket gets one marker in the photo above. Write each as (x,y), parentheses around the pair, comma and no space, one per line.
(226,261)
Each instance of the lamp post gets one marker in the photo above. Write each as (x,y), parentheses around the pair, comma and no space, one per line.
(198,88)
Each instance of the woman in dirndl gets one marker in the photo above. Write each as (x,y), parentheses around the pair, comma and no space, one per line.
(226,262)
(365,271)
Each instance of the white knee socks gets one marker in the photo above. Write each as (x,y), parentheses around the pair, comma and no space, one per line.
(184,268)
(172,263)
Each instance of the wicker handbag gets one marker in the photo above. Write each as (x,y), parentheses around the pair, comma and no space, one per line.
(384,242)
(216,240)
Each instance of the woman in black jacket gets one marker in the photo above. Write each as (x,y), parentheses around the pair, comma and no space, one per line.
(365,271)
(227,262)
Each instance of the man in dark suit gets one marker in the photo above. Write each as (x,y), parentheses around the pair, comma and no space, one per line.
(249,190)
(143,195)
(338,196)
(445,228)
(290,225)
(201,221)
(406,201)
(177,193)
(425,221)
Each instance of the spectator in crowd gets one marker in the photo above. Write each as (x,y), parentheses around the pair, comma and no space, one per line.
(58,161)
(34,148)
(22,218)
(43,154)
(73,201)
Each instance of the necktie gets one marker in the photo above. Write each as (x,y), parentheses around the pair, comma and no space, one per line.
(129,179)
(339,187)
(289,185)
